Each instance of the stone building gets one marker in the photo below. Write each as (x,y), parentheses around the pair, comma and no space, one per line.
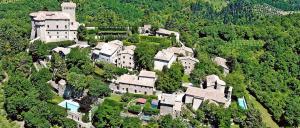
(164,58)
(164,32)
(170,104)
(222,63)
(145,30)
(188,63)
(141,84)
(59,87)
(107,51)
(53,26)
(215,92)
(126,57)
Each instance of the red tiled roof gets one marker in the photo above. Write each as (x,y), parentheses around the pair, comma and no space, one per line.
(141,100)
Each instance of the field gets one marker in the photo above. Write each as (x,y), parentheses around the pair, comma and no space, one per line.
(266,117)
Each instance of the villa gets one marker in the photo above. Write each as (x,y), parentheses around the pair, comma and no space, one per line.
(141,84)
(182,51)
(161,32)
(188,63)
(215,92)
(170,104)
(107,51)
(126,57)
(222,63)
(164,32)
(54,26)
(164,58)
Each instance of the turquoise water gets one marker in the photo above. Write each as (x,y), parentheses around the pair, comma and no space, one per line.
(242,103)
(72,106)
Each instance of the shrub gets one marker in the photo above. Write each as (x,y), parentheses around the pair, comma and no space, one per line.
(148,110)
(134,38)
(85,118)
(128,96)
(60,44)
(135,109)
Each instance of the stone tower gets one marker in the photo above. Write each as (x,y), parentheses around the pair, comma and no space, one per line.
(70,8)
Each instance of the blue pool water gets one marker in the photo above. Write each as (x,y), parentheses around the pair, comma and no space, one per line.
(242,103)
(72,106)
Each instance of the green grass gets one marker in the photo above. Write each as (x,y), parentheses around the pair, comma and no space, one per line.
(115,97)
(266,117)
(185,79)
(56,99)
(217,5)
(99,71)
(235,126)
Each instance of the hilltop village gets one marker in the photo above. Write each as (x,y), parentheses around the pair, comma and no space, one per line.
(59,26)
(149,64)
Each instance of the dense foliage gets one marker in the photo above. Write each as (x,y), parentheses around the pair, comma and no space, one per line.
(263,51)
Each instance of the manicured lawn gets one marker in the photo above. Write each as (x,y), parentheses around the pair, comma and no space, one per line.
(115,97)
(56,99)
(266,117)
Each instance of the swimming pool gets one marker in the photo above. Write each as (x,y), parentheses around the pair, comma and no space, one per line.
(70,105)
(242,103)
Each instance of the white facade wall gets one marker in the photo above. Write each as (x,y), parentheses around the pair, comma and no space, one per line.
(196,103)
(189,99)
(111,59)
(159,64)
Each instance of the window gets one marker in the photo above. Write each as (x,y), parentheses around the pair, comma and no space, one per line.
(123,57)
(66,26)
(66,32)
(71,23)
(129,57)
(48,32)
(49,36)
(74,32)
(145,93)
(57,36)
(118,87)
(126,89)
(57,32)
(123,62)
(56,26)
(66,37)
(129,63)
(47,26)
(135,91)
